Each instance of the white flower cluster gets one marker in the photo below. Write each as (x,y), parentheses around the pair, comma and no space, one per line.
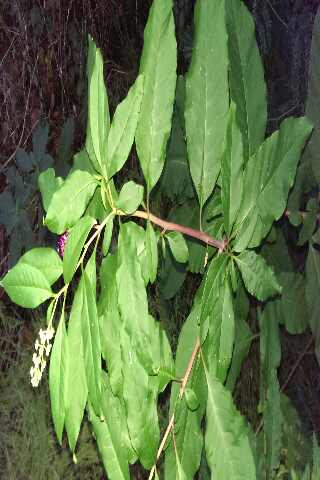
(43,348)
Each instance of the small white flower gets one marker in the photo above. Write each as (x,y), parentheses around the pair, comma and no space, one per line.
(42,349)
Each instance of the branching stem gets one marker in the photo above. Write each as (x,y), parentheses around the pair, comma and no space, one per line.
(191,232)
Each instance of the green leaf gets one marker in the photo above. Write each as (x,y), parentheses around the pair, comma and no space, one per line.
(107,236)
(212,281)
(130,197)
(110,322)
(258,276)
(46,260)
(231,171)
(123,128)
(270,351)
(26,285)
(98,123)
(96,208)
(171,276)
(207,96)
(151,252)
(178,246)
(48,184)
(246,77)
(70,201)
(109,434)
(140,394)
(75,242)
(269,175)
(158,64)
(91,341)
(219,344)
(309,222)
(132,297)
(77,382)
(226,440)
(58,377)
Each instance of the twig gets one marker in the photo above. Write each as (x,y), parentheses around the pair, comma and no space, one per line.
(191,232)
(182,389)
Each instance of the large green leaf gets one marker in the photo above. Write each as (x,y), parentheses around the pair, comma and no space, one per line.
(242,338)
(132,297)
(46,260)
(220,340)
(110,322)
(258,276)
(26,285)
(228,449)
(75,242)
(158,64)
(246,78)
(140,394)
(212,281)
(110,434)
(98,122)
(268,176)
(70,201)
(207,96)
(77,382)
(231,171)
(91,341)
(58,377)
(270,350)
(123,128)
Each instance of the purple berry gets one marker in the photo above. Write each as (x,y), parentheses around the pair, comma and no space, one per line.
(61,243)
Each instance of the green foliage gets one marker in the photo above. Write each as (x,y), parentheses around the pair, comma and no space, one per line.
(111,356)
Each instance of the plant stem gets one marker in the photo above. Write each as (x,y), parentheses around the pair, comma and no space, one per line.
(191,232)
(184,382)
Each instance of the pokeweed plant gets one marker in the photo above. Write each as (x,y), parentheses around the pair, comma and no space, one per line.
(110,357)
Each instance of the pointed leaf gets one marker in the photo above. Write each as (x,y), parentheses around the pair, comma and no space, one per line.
(75,242)
(70,201)
(207,96)
(58,377)
(91,342)
(158,64)
(130,197)
(268,177)
(312,295)
(123,128)
(77,382)
(247,85)
(258,276)
(98,122)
